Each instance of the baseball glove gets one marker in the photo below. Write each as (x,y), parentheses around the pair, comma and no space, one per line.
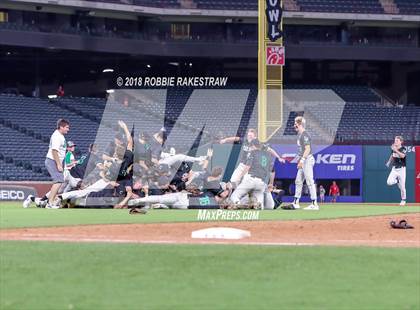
(403,224)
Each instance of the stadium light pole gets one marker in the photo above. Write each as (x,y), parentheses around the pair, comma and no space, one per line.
(270,67)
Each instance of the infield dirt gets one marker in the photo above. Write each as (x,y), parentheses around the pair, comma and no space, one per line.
(365,231)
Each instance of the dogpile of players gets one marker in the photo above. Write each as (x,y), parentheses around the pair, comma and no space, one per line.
(140,172)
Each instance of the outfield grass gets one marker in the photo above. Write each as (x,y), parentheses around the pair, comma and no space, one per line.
(12,215)
(42,275)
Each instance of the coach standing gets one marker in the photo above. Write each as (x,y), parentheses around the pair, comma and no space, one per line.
(55,158)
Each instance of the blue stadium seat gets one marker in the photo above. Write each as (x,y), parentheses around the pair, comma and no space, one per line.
(408,6)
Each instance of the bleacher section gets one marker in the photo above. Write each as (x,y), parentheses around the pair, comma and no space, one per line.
(11,172)
(27,123)
(408,6)
(342,6)
(227,4)
(352,93)
(149,3)
(26,126)
(370,123)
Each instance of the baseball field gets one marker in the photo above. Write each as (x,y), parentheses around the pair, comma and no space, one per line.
(344,256)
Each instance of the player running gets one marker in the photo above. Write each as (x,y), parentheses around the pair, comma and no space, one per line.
(306,162)
(397,160)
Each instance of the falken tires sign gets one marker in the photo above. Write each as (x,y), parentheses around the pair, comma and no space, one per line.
(331,162)
(15,192)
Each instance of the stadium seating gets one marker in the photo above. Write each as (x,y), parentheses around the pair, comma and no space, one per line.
(349,93)
(11,172)
(371,123)
(26,129)
(338,6)
(24,152)
(149,3)
(342,6)
(408,6)
(227,4)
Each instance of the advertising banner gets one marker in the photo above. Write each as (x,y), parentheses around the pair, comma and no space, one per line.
(331,162)
(15,192)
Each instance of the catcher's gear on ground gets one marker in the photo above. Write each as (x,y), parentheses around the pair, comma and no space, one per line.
(403,224)
(137,211)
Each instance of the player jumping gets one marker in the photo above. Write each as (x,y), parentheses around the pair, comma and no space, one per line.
(398,162)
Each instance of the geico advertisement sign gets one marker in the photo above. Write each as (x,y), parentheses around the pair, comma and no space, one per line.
(15,192)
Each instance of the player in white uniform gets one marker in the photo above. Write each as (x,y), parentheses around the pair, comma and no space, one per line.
(55,158)
(306,162)
(398,162)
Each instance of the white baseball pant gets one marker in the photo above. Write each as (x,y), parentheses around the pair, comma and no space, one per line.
(250,184)
(397,176)
(173,200)
(236,175)
(268,200)
(69,181)
(306,174)
(95,187)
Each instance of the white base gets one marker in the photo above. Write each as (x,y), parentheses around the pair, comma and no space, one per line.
(220,233)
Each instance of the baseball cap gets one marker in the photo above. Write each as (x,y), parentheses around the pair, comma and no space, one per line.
(70,144)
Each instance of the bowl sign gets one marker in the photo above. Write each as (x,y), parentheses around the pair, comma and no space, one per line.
(273,14)
(275,55)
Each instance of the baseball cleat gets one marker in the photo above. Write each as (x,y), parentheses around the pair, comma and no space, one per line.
(50,206)
(27,201)
(402,203)
(40,203)
(296,206)
(312,207)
